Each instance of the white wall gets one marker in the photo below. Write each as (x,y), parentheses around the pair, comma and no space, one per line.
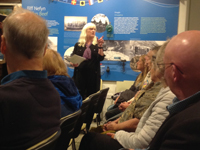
(184,6)
(194,15)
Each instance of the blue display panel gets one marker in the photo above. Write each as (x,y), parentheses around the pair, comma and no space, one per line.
(132,20)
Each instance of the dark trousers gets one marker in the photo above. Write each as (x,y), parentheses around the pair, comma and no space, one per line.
(96,141)
(112,112)
(87,82)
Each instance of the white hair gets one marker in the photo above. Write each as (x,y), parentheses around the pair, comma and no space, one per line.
(83,35)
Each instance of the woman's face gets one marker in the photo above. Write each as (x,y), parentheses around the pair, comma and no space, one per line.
(155,73)
(140,64)
(91,32)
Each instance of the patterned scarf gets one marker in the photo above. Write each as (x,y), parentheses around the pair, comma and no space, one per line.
(87,52)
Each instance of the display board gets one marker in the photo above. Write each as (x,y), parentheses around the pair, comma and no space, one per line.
(136,26)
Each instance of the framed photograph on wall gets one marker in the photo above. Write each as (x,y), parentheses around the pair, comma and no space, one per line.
(10,1)
(6,10)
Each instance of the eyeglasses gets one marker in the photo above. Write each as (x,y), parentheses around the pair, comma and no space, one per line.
(170,64)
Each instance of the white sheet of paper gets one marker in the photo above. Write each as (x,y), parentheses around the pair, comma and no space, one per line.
(75,59)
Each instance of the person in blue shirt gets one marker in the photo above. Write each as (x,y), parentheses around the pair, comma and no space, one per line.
(29,103)
(71,100)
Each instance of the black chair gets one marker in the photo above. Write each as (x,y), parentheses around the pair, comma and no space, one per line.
(100,103)
(67,127)
(90,112)
(79,123)
(48,143)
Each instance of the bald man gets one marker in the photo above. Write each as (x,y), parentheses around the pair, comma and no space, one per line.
(181,130)
(29,103)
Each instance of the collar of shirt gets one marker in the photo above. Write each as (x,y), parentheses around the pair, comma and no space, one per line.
(178,105)
(24,73)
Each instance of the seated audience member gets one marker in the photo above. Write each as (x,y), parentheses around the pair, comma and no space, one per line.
(121,100)
(180,131)
(146,83)
(148,125)
(128,94)
(30,105)
(71,100)
(153,117)
(135,110)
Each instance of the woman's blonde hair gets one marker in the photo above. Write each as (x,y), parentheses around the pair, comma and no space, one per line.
(54,63)
(83,35)
(143,74)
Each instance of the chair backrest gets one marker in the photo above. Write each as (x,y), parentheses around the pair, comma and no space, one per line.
(67,127)
(99,104)
(79,123)
(47,144)
(90,112)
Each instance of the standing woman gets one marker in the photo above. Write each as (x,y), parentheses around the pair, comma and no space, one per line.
(87,74)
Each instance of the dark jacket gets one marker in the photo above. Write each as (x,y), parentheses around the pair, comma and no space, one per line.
(71,100)
(180,131)
(87,74)
(29,112)
(128,94)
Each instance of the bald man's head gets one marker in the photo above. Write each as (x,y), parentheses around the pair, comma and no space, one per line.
(184,51)
(181,59)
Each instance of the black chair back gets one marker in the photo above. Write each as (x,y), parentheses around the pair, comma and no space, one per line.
(47,144)
(100,103)
(67,127)
(90,112)
(79,123)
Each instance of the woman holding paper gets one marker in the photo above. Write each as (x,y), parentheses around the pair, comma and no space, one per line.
(87,74)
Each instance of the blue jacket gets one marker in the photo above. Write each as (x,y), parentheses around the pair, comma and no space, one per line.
(71,100)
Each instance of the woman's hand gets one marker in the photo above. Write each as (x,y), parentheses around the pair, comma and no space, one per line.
(112,126)
(100,41)
(112,135)
(123,105)
(105,126)
(100,44)
(74,65)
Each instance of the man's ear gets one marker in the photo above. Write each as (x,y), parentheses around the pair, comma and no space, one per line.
(45,48)
(175,74)
(3,45)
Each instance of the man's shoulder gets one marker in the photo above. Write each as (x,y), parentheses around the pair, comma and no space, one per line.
(26,85)
(26,81)
(190,113)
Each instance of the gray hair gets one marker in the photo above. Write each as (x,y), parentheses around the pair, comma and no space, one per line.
(158,63)
(25,33)
(160,57)
(155,48)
